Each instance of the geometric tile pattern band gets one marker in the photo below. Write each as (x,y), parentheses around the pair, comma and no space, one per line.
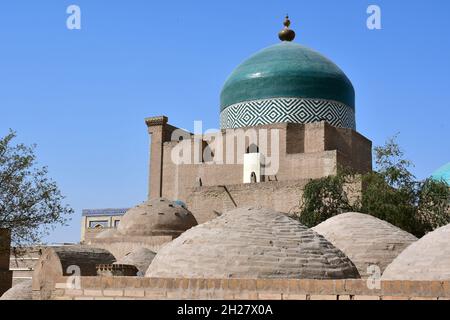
(291,110)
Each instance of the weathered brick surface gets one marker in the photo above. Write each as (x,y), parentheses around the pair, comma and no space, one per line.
(365,239)
(394,298)
(426,259)
(424,298)
(72,292)
(305,151)
(293,296)
(249,295)
(58,261)
(63,298)
(364,297)
(22,291)
(84,298)
(93,293)
(151,294)
(323,297)
(263,289)
(119,246)
(113,293)
(270,296)
(134,293)
(251,243)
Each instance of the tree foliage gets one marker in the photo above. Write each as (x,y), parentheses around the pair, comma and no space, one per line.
(31,204)
(391,193)
(324,198)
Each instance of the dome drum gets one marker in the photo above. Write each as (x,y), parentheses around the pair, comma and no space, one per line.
(287,110)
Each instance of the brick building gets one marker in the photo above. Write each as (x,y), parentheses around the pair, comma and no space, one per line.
(287,115)
(5,273)
(94,221)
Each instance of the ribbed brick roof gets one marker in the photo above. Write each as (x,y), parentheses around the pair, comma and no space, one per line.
(156,217)
(251,243)
(426,259)
(366,240)
(21,291)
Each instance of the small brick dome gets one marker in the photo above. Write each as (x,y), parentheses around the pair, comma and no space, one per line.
(20,291)
(251,243)
(427,259)
(366,240)
(140,258)
(156,217)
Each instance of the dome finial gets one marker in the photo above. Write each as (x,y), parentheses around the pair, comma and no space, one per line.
(286,34)
(287,22)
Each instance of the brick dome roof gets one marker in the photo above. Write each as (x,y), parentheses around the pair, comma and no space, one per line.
(20,291)
(110,233)
(425,259)
(251,243)
(140,258)
(156,217)
(366,240)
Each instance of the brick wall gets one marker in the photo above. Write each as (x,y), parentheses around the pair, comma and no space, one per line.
(100,288)
(284,196)
(23,261)
(207,202)
(120,246)
(5,247)
(305,151)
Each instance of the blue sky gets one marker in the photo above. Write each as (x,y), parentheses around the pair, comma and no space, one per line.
(82,95)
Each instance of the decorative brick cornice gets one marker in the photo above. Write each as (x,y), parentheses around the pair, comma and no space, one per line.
(156,121)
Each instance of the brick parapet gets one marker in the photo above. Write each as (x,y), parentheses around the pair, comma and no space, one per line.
(254,289)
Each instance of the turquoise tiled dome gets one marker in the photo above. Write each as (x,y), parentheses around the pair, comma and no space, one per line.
(442,174)
(287,74)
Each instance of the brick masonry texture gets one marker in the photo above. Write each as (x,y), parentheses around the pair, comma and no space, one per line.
(259,289)
(251,243)
(209,202)
(426,259)
(120,246)
(20,291)
(57,261)
(365,239)
(305,151)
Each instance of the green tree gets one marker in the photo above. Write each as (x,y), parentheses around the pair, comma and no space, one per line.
(391,193)
(433,204)
(324,198)
(30,202)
